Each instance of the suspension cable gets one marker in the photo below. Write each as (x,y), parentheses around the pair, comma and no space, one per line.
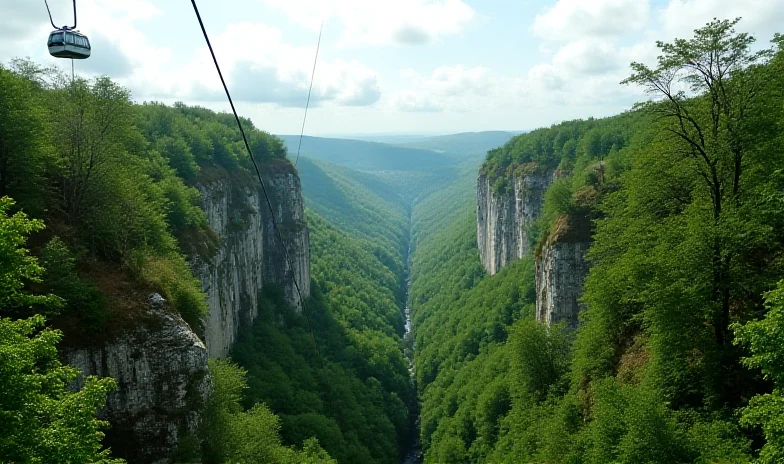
(310,89)
(50,14)
(258,175)
(64,28)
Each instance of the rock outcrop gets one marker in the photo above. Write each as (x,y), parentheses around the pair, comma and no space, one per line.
(159,363)
(561,268)
(250,256)
(503,219)
(160,366)
(505,211)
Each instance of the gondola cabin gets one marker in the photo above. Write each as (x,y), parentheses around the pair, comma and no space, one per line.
(65,43)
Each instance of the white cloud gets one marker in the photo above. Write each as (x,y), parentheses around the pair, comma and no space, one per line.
(275,73)
(457,88)
(381,22)
(587,72)
(546,78)
(762,17)
(587,56)
(411,101)
(575,19)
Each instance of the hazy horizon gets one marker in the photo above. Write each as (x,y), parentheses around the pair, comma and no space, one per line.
(419,67)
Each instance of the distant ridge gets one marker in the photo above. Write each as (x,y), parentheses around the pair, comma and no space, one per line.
(465,143)
(366,156)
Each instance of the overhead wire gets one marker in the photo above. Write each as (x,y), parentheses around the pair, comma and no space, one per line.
(258,175)
(310,90)
(52,20)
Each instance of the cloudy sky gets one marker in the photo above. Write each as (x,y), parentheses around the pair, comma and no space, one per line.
(385,66)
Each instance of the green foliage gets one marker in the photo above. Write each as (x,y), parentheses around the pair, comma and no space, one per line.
(25,154)
(232,434)
(114,181)
(501,186)
(359,205)
(686,238)
(339,375)
(351,391)
(172,277)
(17,267)
(42,421)
(461,322)
(539,357)
(764,340)
(81,297)
(569,145)
(473,144)
(367,156)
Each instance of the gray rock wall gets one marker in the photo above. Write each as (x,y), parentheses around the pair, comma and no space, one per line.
(250,254)
(160,367)
(560,274)
(159,363)
(502,237)
(502,220)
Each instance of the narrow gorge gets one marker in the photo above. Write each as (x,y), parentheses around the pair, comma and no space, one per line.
(602,290)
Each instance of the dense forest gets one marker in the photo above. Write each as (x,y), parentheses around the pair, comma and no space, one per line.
(104,207)
(677,354)
(675,357)
(337,372)
(115,200)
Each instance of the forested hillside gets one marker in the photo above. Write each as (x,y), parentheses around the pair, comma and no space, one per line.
(676,354)
(366,156)
(106,205)
(409,173)
(337,372)
(603,290)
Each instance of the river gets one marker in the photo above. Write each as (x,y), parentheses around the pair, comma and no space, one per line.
(413,449)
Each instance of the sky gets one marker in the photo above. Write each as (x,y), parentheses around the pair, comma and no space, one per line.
(384,66)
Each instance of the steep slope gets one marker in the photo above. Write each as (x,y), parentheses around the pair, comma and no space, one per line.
(461,318)
(250,255)
(631,354)
(338,371)
(123,191)
(357,203)
(506,210)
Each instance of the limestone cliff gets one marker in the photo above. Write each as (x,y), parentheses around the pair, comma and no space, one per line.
(506,209)
(159,363)
(160,367)
(503,218)
(561,269)
(250,255)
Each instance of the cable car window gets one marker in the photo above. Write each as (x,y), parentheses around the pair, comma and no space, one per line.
(69,38)
(56,38)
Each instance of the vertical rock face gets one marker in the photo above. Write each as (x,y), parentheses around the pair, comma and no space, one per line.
(159,363)
(560,273)
(160,367)
(503,220)
(250,254)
